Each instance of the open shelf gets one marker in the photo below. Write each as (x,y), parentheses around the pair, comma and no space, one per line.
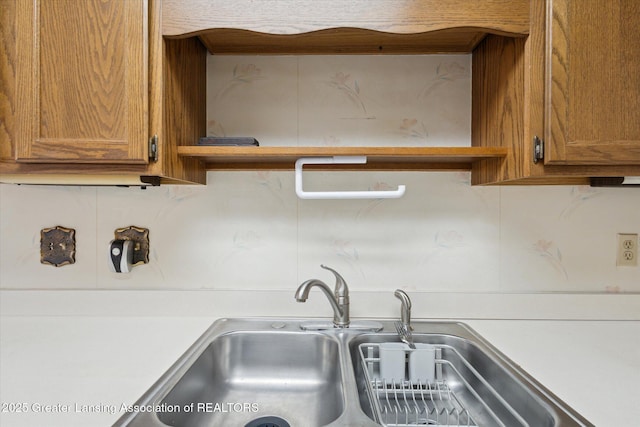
(378,158)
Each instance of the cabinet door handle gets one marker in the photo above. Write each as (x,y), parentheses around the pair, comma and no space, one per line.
(373,194)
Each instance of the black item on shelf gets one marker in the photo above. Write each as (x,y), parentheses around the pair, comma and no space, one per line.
(228,141)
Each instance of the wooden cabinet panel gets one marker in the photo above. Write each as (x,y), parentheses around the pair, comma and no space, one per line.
(592,106)
(82,81)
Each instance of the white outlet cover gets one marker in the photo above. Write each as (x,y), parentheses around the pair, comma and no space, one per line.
(627,250)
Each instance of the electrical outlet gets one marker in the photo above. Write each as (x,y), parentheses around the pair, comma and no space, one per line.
(627,255)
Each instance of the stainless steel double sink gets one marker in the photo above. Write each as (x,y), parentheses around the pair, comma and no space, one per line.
(272,373)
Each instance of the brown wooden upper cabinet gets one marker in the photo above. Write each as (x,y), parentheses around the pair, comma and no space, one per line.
(91,93)
(82,81)
(593,82)
(565,101)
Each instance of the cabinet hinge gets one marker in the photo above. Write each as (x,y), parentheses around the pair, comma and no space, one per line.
(153,148)
(538,150)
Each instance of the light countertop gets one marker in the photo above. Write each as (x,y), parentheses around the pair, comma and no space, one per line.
(79,371)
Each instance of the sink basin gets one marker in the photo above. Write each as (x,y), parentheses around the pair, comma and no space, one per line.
(271,372)
(471,383)
(274,373)
(470,387)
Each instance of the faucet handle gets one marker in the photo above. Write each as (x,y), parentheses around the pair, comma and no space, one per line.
(341,289)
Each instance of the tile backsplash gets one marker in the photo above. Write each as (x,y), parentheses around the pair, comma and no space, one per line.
(341,100)
(249,231)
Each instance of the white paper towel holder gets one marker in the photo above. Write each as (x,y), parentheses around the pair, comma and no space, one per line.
(370,194)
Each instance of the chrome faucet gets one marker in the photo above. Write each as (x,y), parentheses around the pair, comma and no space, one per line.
(339,299)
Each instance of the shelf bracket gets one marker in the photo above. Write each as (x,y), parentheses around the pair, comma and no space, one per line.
(391,194)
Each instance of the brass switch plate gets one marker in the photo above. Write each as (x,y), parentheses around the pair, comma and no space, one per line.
(58,246)
(140,236)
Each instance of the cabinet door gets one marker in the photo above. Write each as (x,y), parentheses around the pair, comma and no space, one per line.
(592,111)
(82,81)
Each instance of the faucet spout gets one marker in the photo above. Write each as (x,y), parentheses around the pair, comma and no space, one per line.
(302,294)
(339,299)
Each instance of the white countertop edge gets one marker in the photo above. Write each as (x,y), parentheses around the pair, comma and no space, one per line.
(279,303)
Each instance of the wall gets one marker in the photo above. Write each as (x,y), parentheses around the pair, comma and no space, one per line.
(248,231)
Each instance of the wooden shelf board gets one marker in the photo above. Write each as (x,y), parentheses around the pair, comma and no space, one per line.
(285,17)
(378,158)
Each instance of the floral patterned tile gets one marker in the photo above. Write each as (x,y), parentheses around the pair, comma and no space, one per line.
(254,96)
(417,242)
(26,209)
(381,100)
(563,238)
(237,232)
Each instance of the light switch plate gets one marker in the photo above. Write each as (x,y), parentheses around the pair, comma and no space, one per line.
(58,246)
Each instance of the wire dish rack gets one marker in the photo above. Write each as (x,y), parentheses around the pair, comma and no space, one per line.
(450,400)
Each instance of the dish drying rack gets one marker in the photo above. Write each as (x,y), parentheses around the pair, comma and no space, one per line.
(410,403)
